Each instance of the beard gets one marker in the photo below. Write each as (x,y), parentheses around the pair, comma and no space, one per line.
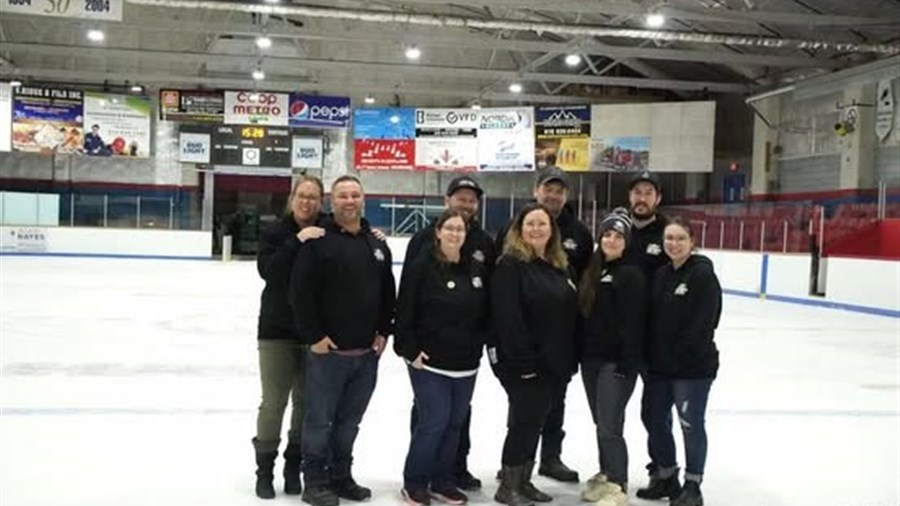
(642,211)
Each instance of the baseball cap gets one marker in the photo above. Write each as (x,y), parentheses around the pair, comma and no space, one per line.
(552,174)
(463,182)
(646,175)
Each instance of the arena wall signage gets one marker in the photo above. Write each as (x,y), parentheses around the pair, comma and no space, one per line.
(256,108)
(5,117)
(384,138)
(319,111)
(100,10)
(198,106)
(563,137)
(116,125)
(447,139)
(47,120)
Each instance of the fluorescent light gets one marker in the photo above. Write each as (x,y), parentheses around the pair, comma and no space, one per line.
(573,59)
(413,53)
(96,35)
(258,74)
(15,84)
(272,1)
(137,88)
(515,88)
(263,42)
(655,20)
(370,99)
(476,106)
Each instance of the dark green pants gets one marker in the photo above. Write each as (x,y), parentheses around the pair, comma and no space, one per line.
(281,371)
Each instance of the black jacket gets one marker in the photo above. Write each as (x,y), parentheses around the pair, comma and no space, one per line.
(686,306)
(342,286)
(645,249)
(575,237)
(534,311)
(442,310)
(278,245)
(614,328)
(479,246)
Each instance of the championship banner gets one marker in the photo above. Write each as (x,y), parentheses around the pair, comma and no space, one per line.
(195,106)
(116,125)
(506,139)
(446,139)
(384,138)
(256,108)
(98,10)
(319,111)
(47,120)
(563,137)
(5,117)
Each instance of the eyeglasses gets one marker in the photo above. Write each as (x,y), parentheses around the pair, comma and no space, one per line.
(308,198)
(458,230)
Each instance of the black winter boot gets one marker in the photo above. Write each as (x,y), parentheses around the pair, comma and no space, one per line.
(319,494)
(510,491)
(554,468)
(528,489)
(292,459)
(347,488)
(266,451)
(661,487)
(690,495)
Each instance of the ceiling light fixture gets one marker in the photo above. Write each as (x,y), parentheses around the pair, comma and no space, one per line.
(258,74)
(272,1)
(476,106)
(655,20)
(413,53)
(96,35)
(15,83)
(137,88)
(573,59)
(370,100)
(515,88)
(263,42)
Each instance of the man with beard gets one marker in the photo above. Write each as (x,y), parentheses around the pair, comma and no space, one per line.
(342,294)
(463,195)
(552,191)
(645,250)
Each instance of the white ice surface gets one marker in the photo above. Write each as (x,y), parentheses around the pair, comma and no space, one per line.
(134,382)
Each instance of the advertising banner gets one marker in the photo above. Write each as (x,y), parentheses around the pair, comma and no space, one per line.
(116,125)
(100,10)
(563,137)
(47,120)
(194,147)
(5,117)
(622,154)
(256,108)
(24,240)
(319,111)
(251,146)
(196,106)
(446,139)
(384,138)
(307,153)
(506,139)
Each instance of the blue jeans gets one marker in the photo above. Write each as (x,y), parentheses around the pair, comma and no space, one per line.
(689,396)
(339,388)
(442,406)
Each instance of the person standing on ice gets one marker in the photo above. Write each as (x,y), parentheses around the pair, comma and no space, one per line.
(442,325)
(281,353)
(533,308)
(463,194)
(612,299)
(683,360)
(342,293)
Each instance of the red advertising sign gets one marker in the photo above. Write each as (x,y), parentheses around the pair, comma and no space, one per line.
(379,154)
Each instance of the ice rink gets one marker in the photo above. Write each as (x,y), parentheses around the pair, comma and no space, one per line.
(134,382)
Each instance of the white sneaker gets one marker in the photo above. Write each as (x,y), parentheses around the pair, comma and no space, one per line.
(613,498)
(598,488)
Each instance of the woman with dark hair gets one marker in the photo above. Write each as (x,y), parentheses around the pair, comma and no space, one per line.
(281,356)
(612,298)
(686,302)
(534,309)
(442,322)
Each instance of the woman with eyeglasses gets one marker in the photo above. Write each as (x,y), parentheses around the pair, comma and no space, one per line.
(441,327)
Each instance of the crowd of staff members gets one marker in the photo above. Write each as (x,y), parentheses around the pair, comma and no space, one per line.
(539,299)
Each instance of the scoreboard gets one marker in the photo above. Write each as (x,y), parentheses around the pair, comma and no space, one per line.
(251,146)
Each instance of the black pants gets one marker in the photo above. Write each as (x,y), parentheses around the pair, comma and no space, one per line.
(465,441)
(530,405)
(552,433)
(607,396)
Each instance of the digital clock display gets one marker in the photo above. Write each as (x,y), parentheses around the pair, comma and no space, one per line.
(253,132)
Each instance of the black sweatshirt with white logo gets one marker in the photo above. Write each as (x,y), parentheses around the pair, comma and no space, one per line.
(614,329)
(686,306)
(534,311)
(479,246)
(645,249)
(442,310)
(342,286)
(278,246)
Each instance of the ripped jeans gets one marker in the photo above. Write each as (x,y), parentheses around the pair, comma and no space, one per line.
(689,397)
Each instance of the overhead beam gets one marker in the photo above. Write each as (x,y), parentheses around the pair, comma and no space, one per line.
(279,63)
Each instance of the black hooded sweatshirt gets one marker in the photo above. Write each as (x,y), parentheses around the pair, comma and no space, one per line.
(442,310)
(479,246)
(686,306)
(278,246)
(342,286)
(645,249)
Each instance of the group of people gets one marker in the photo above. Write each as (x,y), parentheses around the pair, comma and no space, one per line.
(539,298)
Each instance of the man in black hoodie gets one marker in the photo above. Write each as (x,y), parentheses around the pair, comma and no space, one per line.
(342,294)
(463,195)
(552,191)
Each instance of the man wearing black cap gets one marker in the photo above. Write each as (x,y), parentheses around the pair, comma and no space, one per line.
(552,191)
(645,250)
(463,195)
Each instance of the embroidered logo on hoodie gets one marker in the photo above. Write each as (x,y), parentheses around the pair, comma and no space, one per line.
(607,279)
(682,289)
(379,255)
(653,249)
(478,256)
(476,282)
(570,244)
